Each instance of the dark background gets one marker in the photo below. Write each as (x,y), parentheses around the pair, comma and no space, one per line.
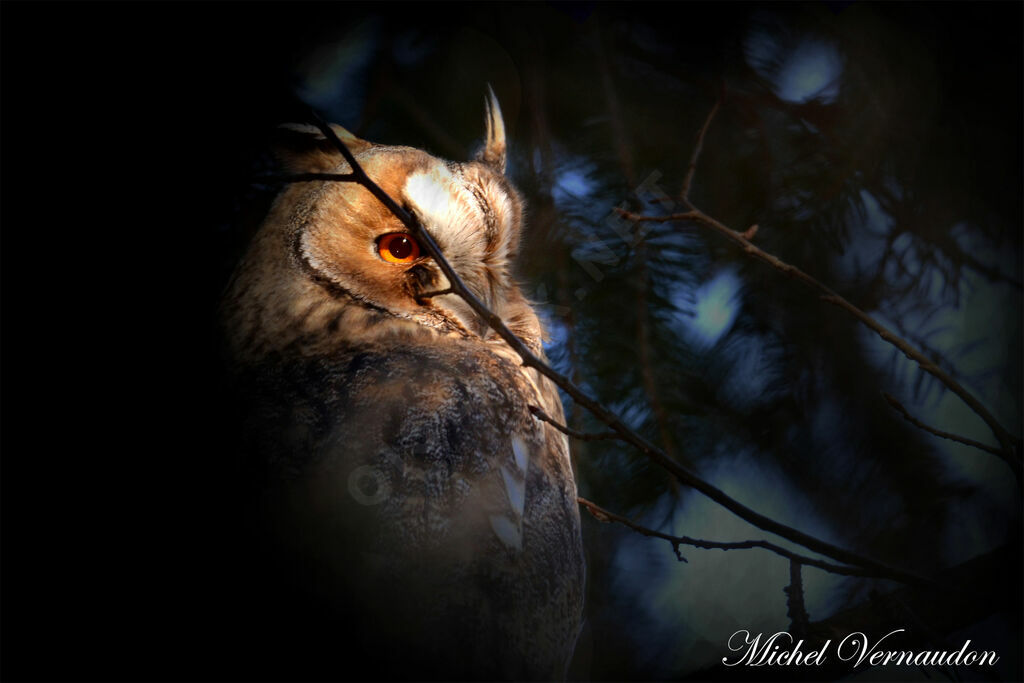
(130,137)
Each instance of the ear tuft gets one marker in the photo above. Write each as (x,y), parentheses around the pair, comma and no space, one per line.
(302,148)
(493,153)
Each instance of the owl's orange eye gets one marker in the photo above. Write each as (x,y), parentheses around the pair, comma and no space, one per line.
(398,247)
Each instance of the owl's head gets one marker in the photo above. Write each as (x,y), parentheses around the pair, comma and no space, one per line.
(331,250)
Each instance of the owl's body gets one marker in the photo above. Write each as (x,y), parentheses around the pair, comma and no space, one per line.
(408,483)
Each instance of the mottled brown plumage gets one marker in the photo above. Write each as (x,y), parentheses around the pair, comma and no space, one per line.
(406,476)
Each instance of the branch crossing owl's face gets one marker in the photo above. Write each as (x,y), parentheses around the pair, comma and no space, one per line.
(331,261)
(352,244)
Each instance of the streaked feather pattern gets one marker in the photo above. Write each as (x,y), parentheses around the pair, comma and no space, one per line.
(402,467)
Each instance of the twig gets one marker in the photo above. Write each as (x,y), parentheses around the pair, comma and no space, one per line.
(582,436)
(606,516)
(421,299)
(643,445)
(439,292)
(937,432)
(306,177)
(692,168)
(795,608)
(1007,453)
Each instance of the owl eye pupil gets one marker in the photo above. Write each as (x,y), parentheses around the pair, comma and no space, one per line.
(400,247)
(397,247)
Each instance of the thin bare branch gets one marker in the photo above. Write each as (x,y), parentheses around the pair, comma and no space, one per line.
(422,299)
(582,436)
(1011,448)
(305,177)
(606,516)
(692,168)
(430,295)
(643,445)
(799,621)
(1008,453)
(899,407)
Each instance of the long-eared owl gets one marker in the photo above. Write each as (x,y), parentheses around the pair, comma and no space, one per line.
(414,498)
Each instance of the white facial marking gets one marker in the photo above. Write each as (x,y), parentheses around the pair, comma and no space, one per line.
(442,204)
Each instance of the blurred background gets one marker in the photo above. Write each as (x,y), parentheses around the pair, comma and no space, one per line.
(876,146)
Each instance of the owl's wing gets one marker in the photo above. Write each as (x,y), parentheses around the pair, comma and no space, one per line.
(426,478)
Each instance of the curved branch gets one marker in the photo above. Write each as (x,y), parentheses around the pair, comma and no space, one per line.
(643,445)
(306,177)
(582,436)
(1008,443)
(602,515)
(937,432)
(692,168)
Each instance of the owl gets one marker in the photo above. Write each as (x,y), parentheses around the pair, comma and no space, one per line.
(411,497)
